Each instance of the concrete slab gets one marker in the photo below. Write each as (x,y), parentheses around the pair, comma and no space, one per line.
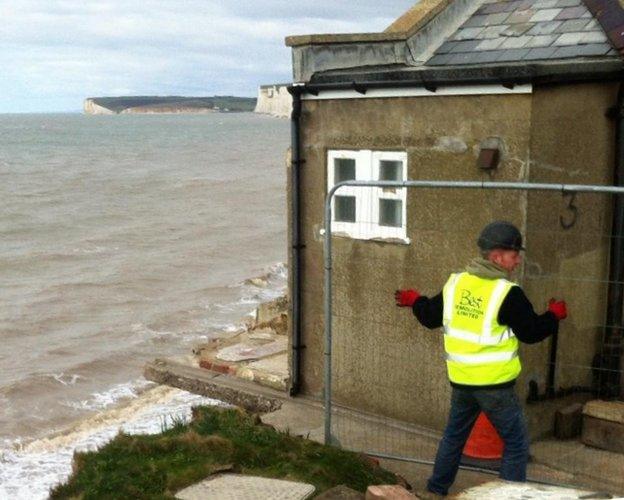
(238,487)
(245,351)
(495,490)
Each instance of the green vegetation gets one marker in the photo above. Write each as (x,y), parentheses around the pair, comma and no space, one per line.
(155,467)
(221,103)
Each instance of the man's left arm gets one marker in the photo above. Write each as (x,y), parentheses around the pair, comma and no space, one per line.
(529,327)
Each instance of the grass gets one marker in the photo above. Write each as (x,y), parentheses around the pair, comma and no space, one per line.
(155,467)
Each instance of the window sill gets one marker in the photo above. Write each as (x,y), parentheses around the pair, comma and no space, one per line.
(377,239)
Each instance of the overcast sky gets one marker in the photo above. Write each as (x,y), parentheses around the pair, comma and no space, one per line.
(54,53)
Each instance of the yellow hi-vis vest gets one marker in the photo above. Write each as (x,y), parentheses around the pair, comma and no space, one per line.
(479,350)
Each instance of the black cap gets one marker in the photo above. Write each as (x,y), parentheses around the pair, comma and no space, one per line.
(500,234)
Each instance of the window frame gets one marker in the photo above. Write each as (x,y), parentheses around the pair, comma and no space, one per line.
(368,168)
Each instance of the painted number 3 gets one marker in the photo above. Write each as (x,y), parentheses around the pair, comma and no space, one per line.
(569,220)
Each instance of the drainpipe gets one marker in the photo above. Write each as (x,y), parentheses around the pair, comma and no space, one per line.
(609,362)
(296,246)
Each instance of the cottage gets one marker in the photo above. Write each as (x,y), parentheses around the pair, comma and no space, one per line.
(507,90)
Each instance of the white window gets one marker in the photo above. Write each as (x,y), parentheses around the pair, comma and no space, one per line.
(368,212)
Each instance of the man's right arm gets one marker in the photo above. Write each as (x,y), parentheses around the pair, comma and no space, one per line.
(429,311)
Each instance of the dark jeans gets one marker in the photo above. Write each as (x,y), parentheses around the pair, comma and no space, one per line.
(503,409)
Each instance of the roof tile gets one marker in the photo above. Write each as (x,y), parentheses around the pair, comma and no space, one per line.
(492,31)
(533,30)
(475,21)
(597,49)
(493,8)
(493,19)
(486,57)
(490,44)
(521,16)
(569,39)
(515,43)
(465,58)
(540,53)
(467,33)
(513,55)
(572,25)
(594,37)
(541,41)
(517,29)
(572,12)
(446,47)
(544,4)
(439,59)
(545,28)
(545,15)
(466,46)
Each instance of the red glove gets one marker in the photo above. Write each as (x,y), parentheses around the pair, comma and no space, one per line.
(406,298)
(558,308)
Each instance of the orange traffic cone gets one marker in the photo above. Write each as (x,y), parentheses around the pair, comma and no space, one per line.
(484,442)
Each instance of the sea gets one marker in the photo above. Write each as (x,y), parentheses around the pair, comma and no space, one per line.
(123,239)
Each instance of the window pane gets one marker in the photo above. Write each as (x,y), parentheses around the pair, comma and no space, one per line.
(390,170)
(345,208)
(390,213)
(344,170)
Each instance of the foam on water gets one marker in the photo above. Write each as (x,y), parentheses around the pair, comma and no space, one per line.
(28,471)
(124,238)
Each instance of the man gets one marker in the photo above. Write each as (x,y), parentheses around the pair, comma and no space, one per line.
(484,315)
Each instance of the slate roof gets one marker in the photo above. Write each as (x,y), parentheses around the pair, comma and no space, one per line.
(525,30)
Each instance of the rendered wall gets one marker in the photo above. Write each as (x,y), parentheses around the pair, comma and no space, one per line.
(572,141)
(384,361)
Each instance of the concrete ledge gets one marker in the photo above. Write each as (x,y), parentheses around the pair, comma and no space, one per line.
(247,395)
(416,17)
(322,39)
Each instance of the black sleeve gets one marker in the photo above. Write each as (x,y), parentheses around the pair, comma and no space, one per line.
(429,311)
(517,312)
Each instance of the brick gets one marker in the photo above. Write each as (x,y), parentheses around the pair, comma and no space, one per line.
(612,411)
(603,434)
(568,3)
(388,492)
(569,421)
(218,367)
